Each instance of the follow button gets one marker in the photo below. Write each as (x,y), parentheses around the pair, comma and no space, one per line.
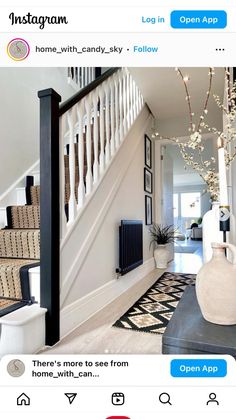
(198,19)
(207,368)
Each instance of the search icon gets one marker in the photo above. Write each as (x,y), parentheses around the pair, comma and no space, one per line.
(164,398)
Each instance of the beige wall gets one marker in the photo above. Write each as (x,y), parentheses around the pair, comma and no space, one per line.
(19,110)
(101,259)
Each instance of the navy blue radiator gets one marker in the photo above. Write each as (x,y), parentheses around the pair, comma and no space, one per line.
(130,245)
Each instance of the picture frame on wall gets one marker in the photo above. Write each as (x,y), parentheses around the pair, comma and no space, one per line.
(148,151)
(148,210)
(147,180)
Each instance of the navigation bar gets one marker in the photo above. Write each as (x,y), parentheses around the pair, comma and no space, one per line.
(114,19)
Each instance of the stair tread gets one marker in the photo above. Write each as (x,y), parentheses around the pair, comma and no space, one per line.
(16,262)
(20,243)
(8,306)
(23,216)
(25,315)
(12,281)
(5,302)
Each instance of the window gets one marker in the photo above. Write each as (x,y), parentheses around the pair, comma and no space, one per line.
(176,205)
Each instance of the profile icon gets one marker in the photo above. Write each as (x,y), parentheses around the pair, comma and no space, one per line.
(212,399)
(18,49)
(15,368)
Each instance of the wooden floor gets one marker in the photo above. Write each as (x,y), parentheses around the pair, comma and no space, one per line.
(97,334)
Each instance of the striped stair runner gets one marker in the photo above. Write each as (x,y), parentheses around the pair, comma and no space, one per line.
(20,245)
(19,251)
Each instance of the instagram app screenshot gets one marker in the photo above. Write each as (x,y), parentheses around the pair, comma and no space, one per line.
(117,209)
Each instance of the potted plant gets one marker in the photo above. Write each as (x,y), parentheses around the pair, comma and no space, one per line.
(161,236)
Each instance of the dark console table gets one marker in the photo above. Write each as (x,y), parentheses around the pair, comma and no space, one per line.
(189,333)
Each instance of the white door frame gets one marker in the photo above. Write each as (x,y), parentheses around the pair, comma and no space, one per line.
(158,180)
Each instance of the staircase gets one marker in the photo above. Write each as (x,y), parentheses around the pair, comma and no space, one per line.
(22,319)
(78,142)
(19,251)
(20,243)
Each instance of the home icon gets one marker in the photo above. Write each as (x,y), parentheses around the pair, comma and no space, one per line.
(23,400)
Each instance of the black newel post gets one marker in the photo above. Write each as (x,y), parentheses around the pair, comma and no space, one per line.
(49,212)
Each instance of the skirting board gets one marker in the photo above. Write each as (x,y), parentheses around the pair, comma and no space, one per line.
(81,310)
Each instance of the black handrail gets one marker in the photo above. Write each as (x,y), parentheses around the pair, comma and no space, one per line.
(65,106)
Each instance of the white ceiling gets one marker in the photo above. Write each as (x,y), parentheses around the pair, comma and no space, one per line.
(164,92)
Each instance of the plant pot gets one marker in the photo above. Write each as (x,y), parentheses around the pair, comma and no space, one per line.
(216,287)
(162,256)
(171,248)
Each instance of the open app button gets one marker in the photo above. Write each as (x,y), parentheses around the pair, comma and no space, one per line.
(207,368)
(198,19)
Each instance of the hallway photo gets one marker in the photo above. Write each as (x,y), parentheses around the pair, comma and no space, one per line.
(117,227)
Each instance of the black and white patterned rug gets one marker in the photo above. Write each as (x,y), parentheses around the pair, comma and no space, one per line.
(152,312)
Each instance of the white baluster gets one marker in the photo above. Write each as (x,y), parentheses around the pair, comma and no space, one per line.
(88,75)
(117,138)
(141,96)
(142,100)
(91,74)
(101,132)
(135,102)
(81,188)
(131,101)
(139,101)
(82,77)
(107,117)
(112,106)
(76,75)
(63,220)
(95,137)
(71,117)
(89,178)
(128,100)
(121,118)
(125,104)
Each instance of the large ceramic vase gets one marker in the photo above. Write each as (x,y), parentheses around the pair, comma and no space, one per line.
(216,286)
(162,256)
